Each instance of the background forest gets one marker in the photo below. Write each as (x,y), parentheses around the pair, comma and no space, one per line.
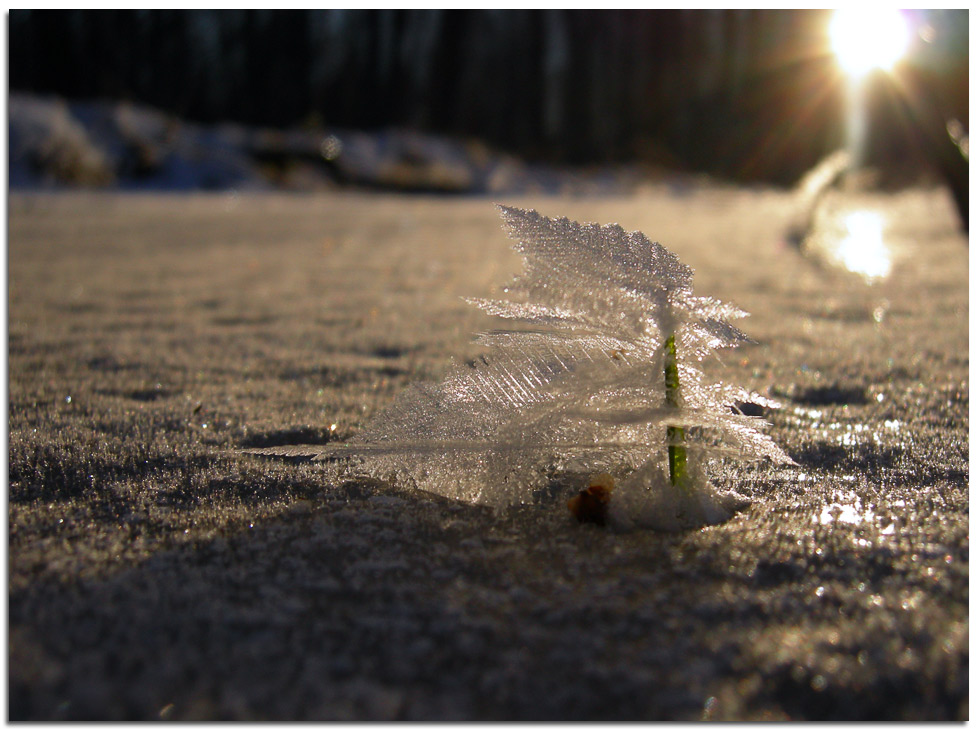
(750,95)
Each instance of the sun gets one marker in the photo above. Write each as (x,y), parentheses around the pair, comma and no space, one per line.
(864,38)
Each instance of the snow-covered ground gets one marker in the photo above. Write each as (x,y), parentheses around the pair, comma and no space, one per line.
(155,570)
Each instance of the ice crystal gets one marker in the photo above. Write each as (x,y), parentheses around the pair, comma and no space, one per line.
(575,386)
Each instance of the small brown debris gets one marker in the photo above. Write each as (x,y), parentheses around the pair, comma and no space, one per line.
(591,504)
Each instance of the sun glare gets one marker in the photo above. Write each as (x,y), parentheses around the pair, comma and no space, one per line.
(861,249)
(865,38)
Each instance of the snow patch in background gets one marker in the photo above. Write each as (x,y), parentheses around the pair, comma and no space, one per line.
(57,144)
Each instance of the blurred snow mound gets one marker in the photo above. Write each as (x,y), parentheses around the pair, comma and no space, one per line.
(55,143)
(47,145)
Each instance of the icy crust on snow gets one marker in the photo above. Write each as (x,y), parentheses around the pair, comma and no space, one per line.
(647,500)
(578,386)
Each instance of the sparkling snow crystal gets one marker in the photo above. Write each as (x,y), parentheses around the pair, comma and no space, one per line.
(576,387)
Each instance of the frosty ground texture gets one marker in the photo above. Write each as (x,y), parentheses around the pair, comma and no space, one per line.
(157,571)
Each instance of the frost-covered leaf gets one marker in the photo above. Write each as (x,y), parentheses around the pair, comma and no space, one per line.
(579,386)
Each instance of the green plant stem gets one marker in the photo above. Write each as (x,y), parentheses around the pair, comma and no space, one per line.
(675,436)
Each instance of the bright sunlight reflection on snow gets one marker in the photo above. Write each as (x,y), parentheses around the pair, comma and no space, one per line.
(848,508)
(864,38)
(861,248)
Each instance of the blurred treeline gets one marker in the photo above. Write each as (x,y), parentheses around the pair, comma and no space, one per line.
(750,95)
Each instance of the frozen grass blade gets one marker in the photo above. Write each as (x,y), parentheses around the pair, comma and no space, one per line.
(675,435)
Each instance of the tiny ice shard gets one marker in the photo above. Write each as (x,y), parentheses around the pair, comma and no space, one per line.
(599,377)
